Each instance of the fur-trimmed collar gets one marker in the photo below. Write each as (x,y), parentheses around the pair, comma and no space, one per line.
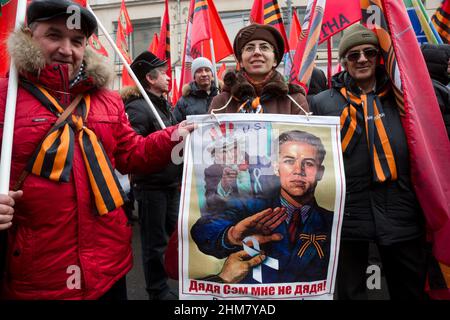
(240,88)
(29,58)
(130,92)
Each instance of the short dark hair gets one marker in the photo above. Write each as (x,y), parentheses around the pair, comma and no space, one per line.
(302,136)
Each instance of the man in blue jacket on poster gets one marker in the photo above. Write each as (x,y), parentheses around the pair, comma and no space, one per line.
(289,226)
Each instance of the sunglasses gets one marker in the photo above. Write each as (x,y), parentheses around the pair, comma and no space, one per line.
(369,53)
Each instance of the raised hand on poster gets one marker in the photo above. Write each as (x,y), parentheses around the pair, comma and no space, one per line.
(259,225)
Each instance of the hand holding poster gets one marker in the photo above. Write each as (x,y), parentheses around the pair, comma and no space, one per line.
(261,207)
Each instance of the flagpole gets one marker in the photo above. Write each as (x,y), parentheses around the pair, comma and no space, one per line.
(127,66)
(10,110)
(213,57)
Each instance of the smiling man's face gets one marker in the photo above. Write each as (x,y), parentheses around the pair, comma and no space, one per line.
(60,45)
(363,69)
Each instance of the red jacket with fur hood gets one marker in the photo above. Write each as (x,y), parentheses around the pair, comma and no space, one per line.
(58,246)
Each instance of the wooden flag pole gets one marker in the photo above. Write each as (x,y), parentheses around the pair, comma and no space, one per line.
(10,110)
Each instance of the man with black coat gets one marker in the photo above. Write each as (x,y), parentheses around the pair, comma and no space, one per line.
(198,94)
(381,205)
(157,194)
(437,58)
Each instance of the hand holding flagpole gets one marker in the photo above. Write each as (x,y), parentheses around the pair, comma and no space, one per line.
(10,110)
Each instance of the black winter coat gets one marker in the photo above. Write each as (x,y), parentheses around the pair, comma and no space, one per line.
(144,123)
(194,101)
(385,212)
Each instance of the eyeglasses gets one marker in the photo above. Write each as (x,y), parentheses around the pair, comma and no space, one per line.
(369,53)
(263,48)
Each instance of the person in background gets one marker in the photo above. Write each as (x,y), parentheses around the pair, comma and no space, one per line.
(437,58)
(158,193)
(198,94)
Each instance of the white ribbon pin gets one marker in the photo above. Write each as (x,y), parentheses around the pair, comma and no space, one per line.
(270,262)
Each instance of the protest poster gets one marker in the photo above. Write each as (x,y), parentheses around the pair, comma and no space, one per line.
(261,186)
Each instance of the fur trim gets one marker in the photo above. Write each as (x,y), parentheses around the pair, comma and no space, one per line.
(29,58)
(130,92)
(239,87)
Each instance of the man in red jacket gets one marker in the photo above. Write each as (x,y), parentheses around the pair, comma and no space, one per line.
(68,236)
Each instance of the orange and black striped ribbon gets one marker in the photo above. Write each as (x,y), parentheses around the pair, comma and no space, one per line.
(312,239)
(441,20)
(53,158)
(368,109)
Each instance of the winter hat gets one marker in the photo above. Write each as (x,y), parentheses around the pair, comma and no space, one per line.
(45,10)
(259,32)
(354,36)
(200,62)
(144,63)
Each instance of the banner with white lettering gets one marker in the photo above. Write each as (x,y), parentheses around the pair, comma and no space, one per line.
(261,207)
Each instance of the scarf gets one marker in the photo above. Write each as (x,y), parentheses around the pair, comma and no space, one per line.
(367,110)
(53,157)
(254,104)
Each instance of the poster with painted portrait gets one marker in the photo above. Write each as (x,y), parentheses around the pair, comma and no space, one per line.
(261,207)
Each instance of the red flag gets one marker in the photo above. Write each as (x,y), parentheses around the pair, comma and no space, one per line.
(338,16)
(257,12)
(153,48)
(95,44)
(163,52)
(175,93)
(221,71)
(81,2)
(121,42)
(7,22)
(272,16)
(268,12)
(295,31)
(222,45)
(429,147)
(200,23)
(125,20)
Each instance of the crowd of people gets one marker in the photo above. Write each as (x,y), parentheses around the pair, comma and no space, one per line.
(64,215)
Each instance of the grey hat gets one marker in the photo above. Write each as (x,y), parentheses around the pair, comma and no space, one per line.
(356,35)
(44,10)
(201,62)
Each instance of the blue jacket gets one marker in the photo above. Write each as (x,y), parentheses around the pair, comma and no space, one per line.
(209,232)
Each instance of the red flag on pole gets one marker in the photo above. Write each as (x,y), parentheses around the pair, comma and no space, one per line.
(338,16)
(295,31)
(163,52)
(153,47)
(257,12)
(268,12)
(7,22)
(122,44)
(428,144)
(95,44)
(200,22)
(222,45)
(175,93)
(125,20)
